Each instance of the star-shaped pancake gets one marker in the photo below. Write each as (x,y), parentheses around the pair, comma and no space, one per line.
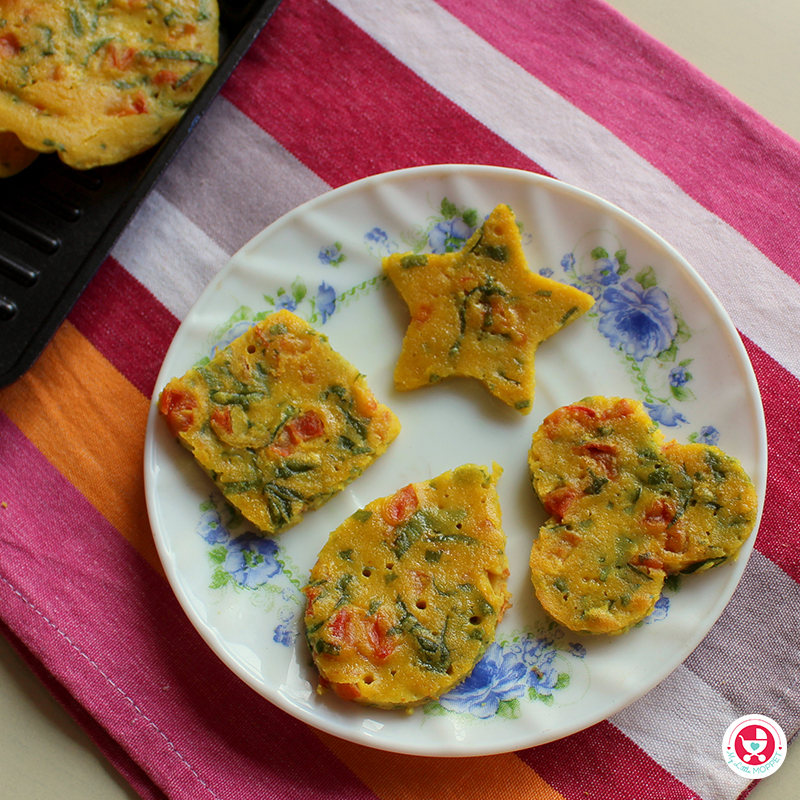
(480,312)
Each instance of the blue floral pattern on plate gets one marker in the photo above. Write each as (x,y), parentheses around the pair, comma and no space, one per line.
(521,666)
(379,243)
(637,318)
(332,255)
(445,231)
(246,561)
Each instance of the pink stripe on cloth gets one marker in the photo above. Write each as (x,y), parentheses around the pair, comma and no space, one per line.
(126,323)
(356,110)
(127,767)
(780,391)
(107,628)
(603,762)
(717,149)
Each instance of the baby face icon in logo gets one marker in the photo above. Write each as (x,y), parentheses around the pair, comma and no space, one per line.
(754,746)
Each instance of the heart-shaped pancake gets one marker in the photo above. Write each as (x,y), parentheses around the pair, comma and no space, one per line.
(627,510)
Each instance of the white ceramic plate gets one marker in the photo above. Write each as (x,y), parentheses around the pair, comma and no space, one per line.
(538,682)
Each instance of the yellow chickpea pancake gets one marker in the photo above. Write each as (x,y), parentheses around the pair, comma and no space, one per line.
(627,510)
(407,593)
(99,82)
(279,420)
(480,312)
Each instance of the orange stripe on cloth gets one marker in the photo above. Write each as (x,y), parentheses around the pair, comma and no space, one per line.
(89,422)
(393,776)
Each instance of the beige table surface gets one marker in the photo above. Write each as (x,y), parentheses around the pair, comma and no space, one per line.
(749,47)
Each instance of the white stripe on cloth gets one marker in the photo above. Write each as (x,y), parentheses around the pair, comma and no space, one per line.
(766,600)
(762,300)
(233,179)
(680,724)
(169,254)
(181,237)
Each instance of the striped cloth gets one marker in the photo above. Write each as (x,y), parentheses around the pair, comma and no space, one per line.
(332,91)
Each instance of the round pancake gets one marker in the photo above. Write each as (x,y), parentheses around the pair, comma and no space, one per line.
(627,510)
(100,82)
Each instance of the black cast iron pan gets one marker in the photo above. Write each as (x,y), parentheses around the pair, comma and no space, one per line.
(58,224)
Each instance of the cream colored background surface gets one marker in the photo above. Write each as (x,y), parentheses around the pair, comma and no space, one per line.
(749,47)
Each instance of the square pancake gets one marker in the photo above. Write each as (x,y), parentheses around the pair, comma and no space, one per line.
(279,420)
